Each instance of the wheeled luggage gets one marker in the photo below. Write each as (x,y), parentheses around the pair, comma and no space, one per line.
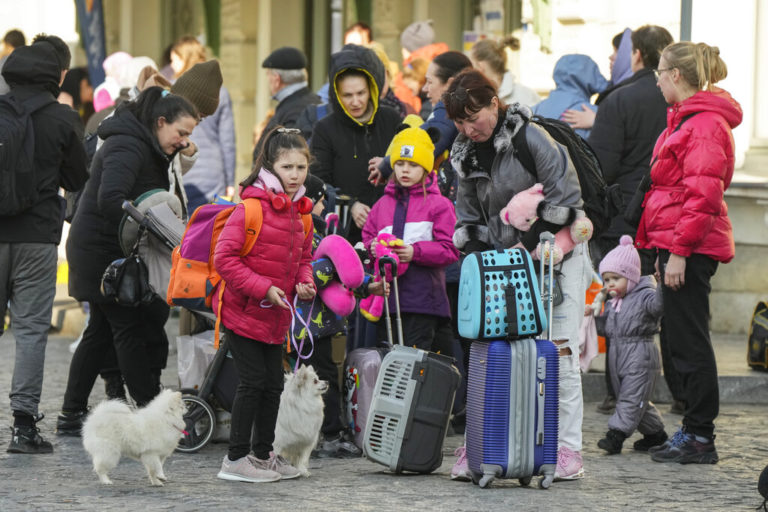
(412,402)
(512,405)
(512,399)
(499,296)
(361,368)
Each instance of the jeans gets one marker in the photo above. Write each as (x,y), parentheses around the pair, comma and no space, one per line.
(257,399)
(28,281)
(566,320)
(686,325)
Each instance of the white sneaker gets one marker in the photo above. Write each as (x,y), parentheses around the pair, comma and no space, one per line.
(570,465)
(460,470)
(277,464)
(243,470)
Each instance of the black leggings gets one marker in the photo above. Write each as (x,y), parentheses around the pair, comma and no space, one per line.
(131,339)
(686,325)
(322,362)
(254,411)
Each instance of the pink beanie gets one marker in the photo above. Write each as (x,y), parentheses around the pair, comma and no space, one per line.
(623,260)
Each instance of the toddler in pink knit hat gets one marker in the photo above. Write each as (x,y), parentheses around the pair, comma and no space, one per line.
(630,320)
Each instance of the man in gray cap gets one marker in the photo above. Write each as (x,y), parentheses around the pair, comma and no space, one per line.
(287,76)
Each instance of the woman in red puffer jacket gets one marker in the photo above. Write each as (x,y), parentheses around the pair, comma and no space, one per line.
(686,220)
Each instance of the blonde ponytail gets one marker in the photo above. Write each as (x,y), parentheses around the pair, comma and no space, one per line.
(700,64)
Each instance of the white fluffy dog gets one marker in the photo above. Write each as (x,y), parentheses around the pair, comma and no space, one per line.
(148,435)
(300,417)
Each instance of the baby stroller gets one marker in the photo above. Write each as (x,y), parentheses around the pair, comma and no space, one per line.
(218,385)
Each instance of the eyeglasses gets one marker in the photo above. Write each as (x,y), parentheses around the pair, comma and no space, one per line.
(658,72)
(288,130)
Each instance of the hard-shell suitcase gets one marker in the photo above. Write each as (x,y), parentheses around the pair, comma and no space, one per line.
(512,395)
(361,368)
(412,403)
(512,406)
(499,296)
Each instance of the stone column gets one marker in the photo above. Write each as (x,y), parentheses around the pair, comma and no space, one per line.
(242,37)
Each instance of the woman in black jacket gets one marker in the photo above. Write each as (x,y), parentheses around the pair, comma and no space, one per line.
(140,141)
(358,129)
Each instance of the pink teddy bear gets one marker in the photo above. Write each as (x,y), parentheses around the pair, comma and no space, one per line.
(520,213)
(372,306)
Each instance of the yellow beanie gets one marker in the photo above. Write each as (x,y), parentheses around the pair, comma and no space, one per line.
(413,145)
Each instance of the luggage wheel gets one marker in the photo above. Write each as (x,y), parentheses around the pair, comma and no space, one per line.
(546,481)
(486,480)
(525,481)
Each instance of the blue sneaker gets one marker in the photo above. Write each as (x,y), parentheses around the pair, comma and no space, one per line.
(684,448)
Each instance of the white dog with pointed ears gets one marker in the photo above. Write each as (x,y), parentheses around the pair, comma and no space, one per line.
(300,417)
(148,435)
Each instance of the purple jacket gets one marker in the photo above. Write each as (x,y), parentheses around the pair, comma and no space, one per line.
(426,222)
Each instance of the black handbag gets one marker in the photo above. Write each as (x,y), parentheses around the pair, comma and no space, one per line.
(126,280)
(757,349)
(634,210)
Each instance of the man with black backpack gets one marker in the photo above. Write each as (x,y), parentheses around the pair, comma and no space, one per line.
(626,127)
(42,150)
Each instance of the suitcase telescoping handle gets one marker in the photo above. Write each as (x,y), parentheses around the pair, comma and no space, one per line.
(547,242)
(383,263)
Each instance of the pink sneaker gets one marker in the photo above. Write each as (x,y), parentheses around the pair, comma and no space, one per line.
(569,464)
(460,470)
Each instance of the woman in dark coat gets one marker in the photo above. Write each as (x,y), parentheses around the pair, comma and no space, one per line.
(140,141)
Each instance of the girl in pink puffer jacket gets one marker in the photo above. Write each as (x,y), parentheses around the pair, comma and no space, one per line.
(254,303)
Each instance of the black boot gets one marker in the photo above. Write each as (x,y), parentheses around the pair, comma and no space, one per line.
(612,441)
(650,440)
(70,423)
(113,386)
(25,437)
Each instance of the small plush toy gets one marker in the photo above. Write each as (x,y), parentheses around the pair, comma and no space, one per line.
(372,306)
(520,213)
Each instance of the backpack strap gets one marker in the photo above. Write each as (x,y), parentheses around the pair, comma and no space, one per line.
(254,218)
(520,143)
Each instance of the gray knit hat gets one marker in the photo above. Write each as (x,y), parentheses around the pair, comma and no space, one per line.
(417,35)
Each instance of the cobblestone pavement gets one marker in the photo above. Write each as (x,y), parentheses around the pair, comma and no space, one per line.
(630,481)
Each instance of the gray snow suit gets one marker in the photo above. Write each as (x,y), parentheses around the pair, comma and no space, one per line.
(634,359)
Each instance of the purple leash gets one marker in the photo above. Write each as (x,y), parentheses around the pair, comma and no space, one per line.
(294,316)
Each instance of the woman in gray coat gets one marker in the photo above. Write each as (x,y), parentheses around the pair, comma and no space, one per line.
(489,176)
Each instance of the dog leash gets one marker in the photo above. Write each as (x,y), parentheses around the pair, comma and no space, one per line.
(294,316)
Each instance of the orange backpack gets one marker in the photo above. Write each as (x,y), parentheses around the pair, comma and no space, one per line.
(193,274)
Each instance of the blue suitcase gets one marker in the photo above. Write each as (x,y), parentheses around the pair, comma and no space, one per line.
(499,296)
(512,410)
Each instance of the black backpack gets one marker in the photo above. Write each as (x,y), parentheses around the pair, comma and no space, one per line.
(18,180)
(601,202)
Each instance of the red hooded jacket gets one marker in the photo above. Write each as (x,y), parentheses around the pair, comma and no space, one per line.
(280,257)
(692,167)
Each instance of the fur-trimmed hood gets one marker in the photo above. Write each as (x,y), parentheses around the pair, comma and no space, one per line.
(463,150)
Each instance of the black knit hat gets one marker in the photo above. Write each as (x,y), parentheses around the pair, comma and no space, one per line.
(315,188)
(200,86)
(286,57)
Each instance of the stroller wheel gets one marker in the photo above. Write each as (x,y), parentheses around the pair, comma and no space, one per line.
(200,422)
